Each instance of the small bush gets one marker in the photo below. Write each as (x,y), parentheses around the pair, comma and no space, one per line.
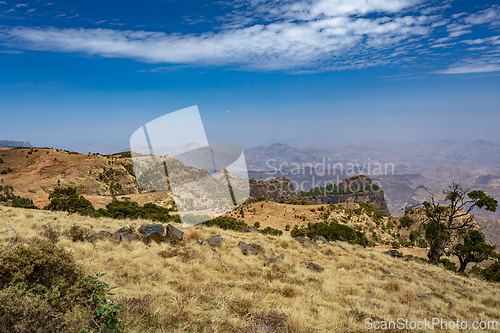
(449,265)
(271,231)
(226,223)
(77,233)
(51,233)
(491,273)
(42,289)
(332,231)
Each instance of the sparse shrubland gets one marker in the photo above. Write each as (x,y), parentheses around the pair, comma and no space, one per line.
(332,231)
(188,287)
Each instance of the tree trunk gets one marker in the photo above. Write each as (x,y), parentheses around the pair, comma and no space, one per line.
(463,266)
(436,252)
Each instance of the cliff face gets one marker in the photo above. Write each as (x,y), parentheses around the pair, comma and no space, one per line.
(274,190)
(363,189)
(282,189)
(375,199)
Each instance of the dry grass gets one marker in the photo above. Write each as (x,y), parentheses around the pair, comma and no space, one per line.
(192,288)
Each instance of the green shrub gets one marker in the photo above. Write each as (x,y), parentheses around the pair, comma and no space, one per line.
(42,289)
(226,223)
(257,224)
(66,199)
(449,265)
(271,231)
(287,227)
(491,273)
(332,231)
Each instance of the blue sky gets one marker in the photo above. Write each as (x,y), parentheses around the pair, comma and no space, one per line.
(307,73)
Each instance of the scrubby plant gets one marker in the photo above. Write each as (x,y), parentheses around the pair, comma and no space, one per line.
(43,289)
(271,231)
(226,223)
(448,264)
(67,199)
(331,231)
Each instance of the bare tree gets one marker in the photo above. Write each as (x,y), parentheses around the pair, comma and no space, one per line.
(441,223)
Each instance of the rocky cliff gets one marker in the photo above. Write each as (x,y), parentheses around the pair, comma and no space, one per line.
(274,190)
(361,186)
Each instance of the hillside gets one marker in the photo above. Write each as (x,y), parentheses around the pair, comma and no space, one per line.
(188,287)
(34,172)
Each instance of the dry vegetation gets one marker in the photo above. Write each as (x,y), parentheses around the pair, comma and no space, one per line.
(186,287)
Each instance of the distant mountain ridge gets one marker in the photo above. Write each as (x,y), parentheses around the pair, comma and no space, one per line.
(14,144)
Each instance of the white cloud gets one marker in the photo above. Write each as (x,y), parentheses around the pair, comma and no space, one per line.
(490,15)
(3,3)
(299,36)
(333,41)
(21,5)
(471,67)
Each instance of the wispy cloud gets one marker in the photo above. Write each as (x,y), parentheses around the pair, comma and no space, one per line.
(3,3)
(490,15)
(318,35)
(471,67)
(21,5)
(299,36)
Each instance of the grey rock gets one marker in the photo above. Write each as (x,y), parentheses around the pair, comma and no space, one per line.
(201,242)
(331,254)
(319,238)
(249,229)
(174,233)
(111,260)
(154,236)
(271,252)
(215,240)
(129,238)
(246,249)
(98,235)
(148,229)
(303,240)
(276,259)
(121,232)
(124,230)
(314,267)
(394,253)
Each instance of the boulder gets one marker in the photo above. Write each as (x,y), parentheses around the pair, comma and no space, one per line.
(98,235)
(154,236)
(249,229)
(303,240)
(314,267)
(130,238)
(201,242)
(246,249)
(319,238)
(394,253)
(148,229)
(215,240)
(174,233)
(121,232)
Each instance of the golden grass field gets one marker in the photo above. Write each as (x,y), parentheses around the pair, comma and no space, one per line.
(186,287)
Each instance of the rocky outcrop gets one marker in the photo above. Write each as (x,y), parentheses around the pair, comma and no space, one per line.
(274,190)
(375,199)
(363,191)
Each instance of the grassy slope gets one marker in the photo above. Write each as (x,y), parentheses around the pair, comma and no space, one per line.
(195,288)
